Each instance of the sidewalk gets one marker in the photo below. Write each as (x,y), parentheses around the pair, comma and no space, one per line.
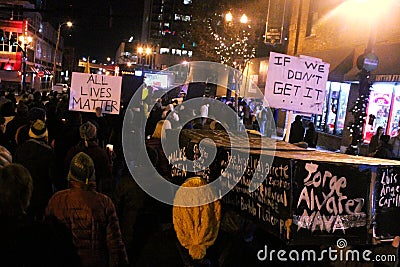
(280,138)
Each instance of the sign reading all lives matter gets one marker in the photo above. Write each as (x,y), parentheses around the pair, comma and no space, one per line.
(297,84)
(89,91)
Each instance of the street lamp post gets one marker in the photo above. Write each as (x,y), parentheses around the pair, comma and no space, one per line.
(69,24)
(25,41)
(23,70)
(366,63)
(148,54)
(241,62)
(143,53)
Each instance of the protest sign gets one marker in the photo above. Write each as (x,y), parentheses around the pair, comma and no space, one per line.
(89,91)
(297,84)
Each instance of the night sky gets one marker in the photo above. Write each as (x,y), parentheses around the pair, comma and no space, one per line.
(99,25)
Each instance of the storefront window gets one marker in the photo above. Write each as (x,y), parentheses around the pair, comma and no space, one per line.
(334,113)
(378,110)
(342,106)
(333,103)
(320,120)
(395,114)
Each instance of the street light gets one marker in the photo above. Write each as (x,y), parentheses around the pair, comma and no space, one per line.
(144,52)
(25,41)
(69,24)
(244,19)
(241,60)
(228,17)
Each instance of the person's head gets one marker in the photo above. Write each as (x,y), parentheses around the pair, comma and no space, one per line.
(73,118)
(36,114)
(297,118)
(385,138)
(88,131)
(16,187)
(311,125)
(22,109)
(379,130)
(215,125)
(98,111)
(170,107)
(31,97)
(204,220)
(37,95)
(81,169)
(159,131)
(38,131)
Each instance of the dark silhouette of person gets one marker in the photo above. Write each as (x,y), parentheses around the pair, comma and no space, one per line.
(102,160)
(39,158)
(384,150)
(89,215)
(24,241)
(296,131)
(375,140)
(311,136)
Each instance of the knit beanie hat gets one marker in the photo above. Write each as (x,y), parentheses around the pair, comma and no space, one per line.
(5,157)
(36,114)
(38,130)
(87,131)
(22,109)
(81,168)
(196,226)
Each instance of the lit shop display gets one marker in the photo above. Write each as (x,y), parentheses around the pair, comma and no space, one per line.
(334,113)
(383,110)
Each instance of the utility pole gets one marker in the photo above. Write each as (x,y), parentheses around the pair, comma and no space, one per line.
(69,24)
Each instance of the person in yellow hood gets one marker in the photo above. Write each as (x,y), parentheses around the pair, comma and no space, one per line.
(196,227)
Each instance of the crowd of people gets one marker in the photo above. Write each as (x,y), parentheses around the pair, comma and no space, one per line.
(383,146)
(68,200)
(299,135)
(380,146)
(57,185)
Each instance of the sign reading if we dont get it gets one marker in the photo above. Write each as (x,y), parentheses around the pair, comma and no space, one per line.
(296,83)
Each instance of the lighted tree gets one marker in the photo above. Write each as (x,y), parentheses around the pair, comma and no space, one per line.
(359,111)
(234,43)
(229,42)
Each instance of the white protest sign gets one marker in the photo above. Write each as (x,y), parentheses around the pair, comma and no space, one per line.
(297,84)
(89,91)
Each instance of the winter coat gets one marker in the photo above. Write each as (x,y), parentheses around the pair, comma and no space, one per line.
(39,159)
(25,242)
(129,200)
(296,132)
(92,219)
(374,143)
(162,165)
(311,138)
(11,130)
(384,151)
(395,143)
